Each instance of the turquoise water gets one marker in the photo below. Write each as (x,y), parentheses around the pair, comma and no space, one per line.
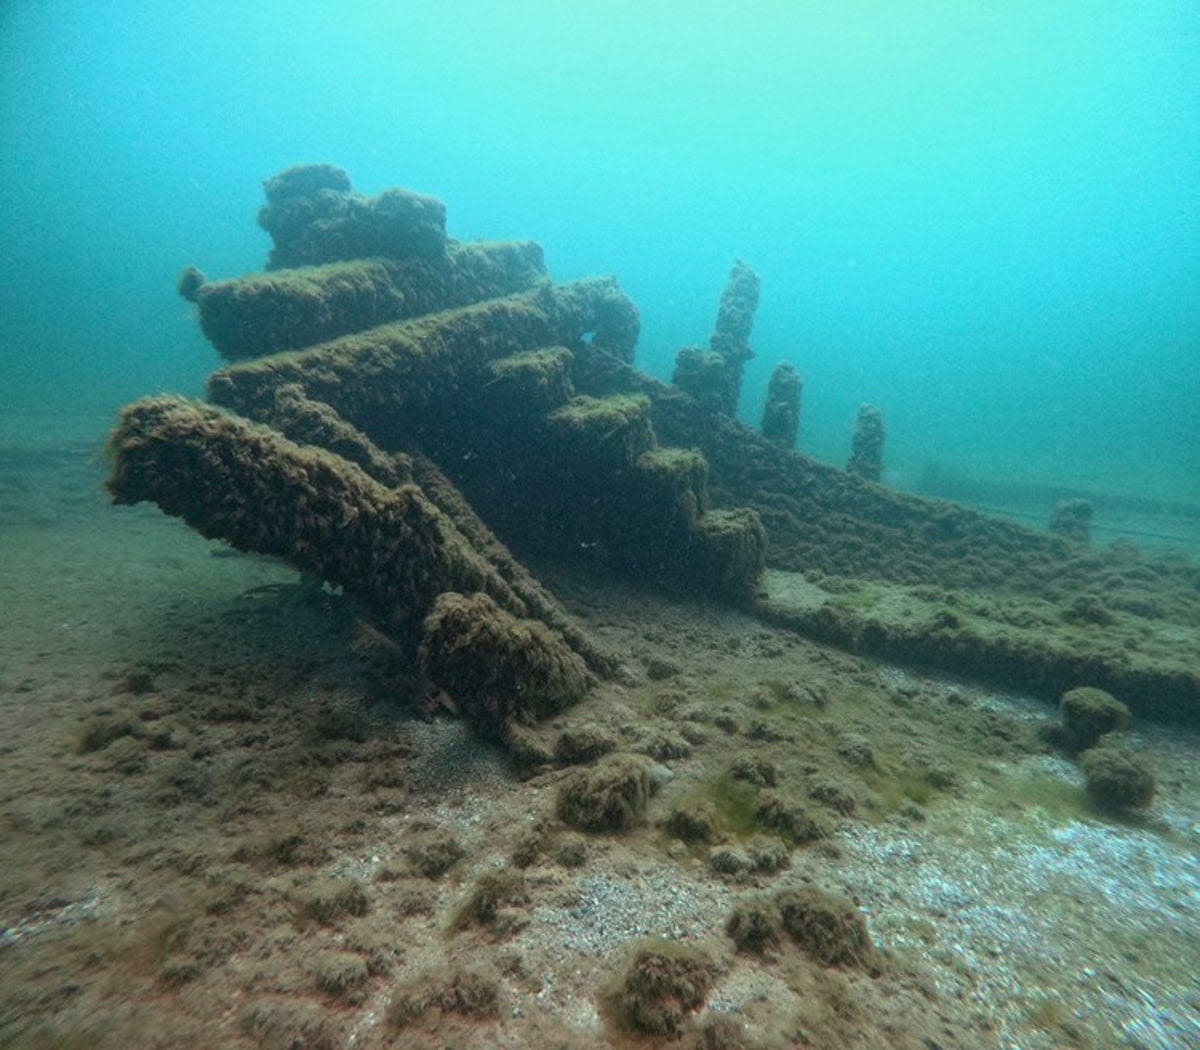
(984,219)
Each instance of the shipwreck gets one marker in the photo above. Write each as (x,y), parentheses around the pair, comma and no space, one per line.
(412,419)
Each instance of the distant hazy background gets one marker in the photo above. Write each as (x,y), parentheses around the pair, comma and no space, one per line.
(984,218)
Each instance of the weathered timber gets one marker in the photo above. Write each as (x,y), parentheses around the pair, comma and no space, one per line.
(500,669)
(229,479)
(309,422)
(385,378)
(264,313)
(448,381)
(986,596)
(1035,650)
(866,444)
(540,602)
(781,413)
(714,376)
(314,217)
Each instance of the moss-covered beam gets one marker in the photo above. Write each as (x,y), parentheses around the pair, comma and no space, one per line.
(528,383)
(264,313)
(539,601)
(229,479)
(389,377)
(500,669)
(601,436)
(314,217)
(1025,645)
(309,422)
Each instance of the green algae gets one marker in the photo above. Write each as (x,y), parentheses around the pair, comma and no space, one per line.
(736,805)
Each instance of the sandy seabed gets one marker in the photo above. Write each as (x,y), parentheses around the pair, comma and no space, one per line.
(222,827)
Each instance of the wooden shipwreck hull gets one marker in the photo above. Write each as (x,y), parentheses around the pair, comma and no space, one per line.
(435,400)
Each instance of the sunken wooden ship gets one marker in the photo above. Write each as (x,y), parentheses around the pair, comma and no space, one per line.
(412,419)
